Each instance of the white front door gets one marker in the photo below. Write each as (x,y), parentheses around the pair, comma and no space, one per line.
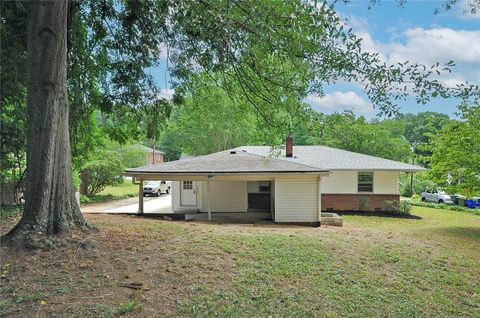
(187,193)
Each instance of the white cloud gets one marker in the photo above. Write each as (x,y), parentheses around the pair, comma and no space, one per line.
(338,101)
(428,46)
(435,45)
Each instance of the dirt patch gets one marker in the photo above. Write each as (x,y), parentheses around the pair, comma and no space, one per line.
(78,281)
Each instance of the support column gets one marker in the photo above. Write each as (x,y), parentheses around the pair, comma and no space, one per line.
(208,201)
(319,199)
(140,197)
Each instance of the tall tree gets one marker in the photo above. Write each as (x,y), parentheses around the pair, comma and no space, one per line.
(50,204)
(455,162)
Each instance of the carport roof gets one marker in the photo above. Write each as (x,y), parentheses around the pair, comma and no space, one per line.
(225,162)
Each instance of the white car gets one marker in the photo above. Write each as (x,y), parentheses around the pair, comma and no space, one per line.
(156,188)
(437,196)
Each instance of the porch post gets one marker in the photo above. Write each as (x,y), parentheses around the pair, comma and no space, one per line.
(208,201)
(319,199)
(140,197)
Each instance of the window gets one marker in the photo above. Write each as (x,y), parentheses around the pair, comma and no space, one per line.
(365,182)
(264,186)
(187,185)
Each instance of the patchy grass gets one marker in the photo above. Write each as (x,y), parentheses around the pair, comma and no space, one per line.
(373,266)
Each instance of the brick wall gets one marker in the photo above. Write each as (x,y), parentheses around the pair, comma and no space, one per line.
(356,202)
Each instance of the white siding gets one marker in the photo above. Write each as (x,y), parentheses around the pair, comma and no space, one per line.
(346,182)
(176,197)
(385,182)
(340,182)
(296,199)
(225,196)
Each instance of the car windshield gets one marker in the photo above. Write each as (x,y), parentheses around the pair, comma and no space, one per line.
(152,184)
(441,192)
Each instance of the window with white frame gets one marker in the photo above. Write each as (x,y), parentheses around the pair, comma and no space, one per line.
(187,185)
(365,182)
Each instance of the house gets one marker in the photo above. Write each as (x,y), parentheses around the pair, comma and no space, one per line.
(294,186)
(153,156)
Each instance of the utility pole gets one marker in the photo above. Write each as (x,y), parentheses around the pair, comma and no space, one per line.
(414,154)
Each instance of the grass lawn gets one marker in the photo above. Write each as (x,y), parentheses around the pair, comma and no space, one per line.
(125,188)
(121,191)
(371,267)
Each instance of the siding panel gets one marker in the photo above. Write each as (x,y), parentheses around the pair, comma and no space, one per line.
(226,196)
(296,199)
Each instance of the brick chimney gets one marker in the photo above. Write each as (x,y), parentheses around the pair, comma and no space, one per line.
(289,147)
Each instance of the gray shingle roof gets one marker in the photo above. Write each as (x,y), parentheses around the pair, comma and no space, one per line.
(328,158)
(226,162)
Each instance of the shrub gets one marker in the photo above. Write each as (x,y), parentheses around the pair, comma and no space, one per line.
(84,199)
(416,197)
(364,204)
(105,169)
(395,207)
(405,208)
(392,206)
(11,210)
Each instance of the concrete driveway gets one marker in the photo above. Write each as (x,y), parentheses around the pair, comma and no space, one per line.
(160,204)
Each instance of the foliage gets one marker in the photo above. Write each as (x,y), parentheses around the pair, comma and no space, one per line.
(396,207)
(209,121)
(421,180)
(105,169)
(415,197)
(12,94)
(455,163)
(132,156)
(349,132)
(11,210)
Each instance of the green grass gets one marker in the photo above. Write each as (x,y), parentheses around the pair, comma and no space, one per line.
(125,188)
(444,206)
(379,267)
(121,191)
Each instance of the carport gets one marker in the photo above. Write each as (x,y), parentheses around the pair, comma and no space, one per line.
(236,184)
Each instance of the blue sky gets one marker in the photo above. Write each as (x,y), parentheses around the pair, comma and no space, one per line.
(412,33)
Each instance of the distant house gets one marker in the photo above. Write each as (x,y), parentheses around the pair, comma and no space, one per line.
(153,157)
(295,186)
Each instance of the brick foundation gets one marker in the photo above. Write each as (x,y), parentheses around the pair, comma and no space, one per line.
(356,202)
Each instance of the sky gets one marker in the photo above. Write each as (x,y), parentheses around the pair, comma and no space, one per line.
(412,32)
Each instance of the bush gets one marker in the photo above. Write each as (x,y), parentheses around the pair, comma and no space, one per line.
(420,182)
(415,197)
(105,169)
(395,207)
(84,199)
(11,210)
(364,204)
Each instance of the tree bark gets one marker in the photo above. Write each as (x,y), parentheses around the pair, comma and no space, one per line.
(50,206)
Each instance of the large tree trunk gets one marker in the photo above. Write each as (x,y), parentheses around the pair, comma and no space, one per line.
(50,205)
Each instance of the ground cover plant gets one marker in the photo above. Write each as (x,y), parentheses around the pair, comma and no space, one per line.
(373,266)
